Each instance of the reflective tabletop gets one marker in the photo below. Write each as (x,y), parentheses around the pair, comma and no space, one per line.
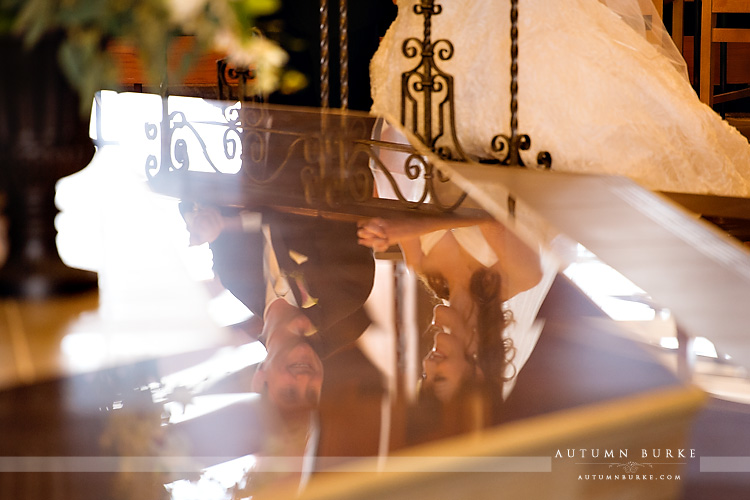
(300,302)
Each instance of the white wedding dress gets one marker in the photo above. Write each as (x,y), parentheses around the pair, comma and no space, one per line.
(592,91)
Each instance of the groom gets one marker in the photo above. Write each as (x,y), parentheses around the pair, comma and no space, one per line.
(306,277)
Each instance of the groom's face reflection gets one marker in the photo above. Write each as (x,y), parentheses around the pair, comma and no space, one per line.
(294,377)
(292,374)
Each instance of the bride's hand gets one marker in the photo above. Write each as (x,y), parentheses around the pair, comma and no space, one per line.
(379,234)
(373,233)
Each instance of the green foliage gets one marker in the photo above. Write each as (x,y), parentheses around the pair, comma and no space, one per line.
(148,25)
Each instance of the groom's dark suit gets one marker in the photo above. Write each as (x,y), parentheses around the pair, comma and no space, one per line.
(337,272)
(578,361)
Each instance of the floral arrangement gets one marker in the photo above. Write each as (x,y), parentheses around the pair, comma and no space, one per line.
(150,26)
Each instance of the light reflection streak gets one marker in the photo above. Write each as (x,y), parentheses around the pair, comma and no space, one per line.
(223,363)
(226,310)
(204,405)
(701,346)
(603,284)
(111,223)
(215,483)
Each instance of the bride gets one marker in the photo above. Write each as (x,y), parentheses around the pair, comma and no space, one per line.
(482,275)
(593,91)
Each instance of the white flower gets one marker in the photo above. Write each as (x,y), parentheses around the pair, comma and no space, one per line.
(184,11)
(256,52)
(267,53)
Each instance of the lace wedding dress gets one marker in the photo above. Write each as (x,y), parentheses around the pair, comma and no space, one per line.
(592,91)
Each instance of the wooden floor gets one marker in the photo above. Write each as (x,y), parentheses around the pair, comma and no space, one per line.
(741,121)
(32,335)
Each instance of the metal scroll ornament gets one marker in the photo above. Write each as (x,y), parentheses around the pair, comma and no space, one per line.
(428,110)
(236,83)
(507,147)
(435,87)
(178,136)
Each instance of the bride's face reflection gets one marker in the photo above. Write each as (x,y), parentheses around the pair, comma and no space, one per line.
(450,361)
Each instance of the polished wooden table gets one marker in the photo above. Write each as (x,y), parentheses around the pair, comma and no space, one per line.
(147,383)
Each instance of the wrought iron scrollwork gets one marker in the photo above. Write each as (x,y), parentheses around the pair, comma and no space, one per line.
(262,172)
(435,87)
(417,166)
(330,158)
(315,154)
(334,164)
(359,176)
(509,147)
(337,170)
(236,83)
(175,154)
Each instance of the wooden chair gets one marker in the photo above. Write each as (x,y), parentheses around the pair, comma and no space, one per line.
(678,17)
(709,51)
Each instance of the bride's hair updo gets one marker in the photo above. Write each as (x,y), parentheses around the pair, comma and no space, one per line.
(495,352)
(436,284)
(479,398)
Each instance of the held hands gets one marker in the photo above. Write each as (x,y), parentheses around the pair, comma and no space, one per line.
(380,234)
(373,233)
